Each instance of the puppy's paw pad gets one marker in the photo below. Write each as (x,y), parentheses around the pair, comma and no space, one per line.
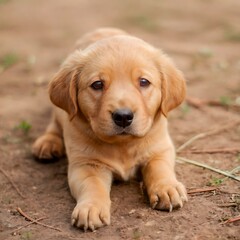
(168,196)
(90,216)
(48,146)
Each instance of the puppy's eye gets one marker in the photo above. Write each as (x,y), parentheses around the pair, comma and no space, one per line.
(143,82)
(97,85)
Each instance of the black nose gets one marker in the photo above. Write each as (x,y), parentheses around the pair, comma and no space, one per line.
(122,117)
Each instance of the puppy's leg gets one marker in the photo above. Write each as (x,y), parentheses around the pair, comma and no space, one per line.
(90,186)
(50,144)
(164,191)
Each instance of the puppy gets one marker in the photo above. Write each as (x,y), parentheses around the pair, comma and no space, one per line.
(112,96)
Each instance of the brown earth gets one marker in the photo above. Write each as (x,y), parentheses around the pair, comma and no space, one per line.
(203,37)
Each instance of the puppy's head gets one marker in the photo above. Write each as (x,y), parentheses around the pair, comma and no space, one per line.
(119,85)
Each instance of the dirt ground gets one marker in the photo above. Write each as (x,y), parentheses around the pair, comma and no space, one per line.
(203,38)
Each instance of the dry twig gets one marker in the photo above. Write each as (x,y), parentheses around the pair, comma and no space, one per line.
(199,103)
(234,219)
(181,159)
(13,184)
(36,221)
(223,127)
(201,190)
(227,205)
(212,151)
(32,222)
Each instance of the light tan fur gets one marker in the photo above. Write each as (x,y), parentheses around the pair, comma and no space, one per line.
(82,123)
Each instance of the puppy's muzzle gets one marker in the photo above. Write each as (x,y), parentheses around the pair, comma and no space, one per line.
(123,117)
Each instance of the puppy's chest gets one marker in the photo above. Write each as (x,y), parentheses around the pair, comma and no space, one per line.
(127,164)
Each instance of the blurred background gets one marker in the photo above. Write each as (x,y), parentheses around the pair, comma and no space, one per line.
(203,39)
(202,36)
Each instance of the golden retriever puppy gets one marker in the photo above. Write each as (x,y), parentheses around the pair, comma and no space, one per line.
(112,98)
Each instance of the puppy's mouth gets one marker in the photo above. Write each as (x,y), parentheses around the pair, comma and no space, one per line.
(124,132)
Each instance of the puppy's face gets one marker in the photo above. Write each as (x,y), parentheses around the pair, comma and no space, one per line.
(119,85)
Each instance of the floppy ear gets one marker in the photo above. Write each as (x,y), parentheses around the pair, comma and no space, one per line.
(63,88)
(173,86)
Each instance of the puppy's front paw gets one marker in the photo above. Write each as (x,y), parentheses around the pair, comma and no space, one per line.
(91,216)
(167,195)
(48,146)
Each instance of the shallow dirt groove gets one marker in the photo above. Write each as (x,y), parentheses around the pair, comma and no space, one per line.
(35,37)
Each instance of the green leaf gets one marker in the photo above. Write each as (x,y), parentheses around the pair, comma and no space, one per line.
(24,126)
(8,60)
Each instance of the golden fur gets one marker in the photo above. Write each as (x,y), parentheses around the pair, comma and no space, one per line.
(99,150)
